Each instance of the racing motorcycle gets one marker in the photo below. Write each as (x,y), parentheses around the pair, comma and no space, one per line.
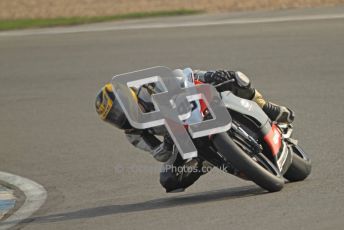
(254,148)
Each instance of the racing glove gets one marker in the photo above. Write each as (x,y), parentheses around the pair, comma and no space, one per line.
(218,76)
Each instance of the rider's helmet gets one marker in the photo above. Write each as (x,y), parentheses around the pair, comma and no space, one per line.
(109,108)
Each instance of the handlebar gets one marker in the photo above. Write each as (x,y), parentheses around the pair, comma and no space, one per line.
(224,83)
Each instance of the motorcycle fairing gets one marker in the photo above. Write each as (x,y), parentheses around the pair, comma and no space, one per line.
(274,139)
(246,107)
(269,132)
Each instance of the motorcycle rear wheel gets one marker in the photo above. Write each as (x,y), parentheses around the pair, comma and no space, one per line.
(300,167)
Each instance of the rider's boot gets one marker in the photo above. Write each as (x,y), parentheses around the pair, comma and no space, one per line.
(275,112)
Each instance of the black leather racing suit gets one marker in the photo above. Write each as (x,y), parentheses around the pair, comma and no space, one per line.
(171,177)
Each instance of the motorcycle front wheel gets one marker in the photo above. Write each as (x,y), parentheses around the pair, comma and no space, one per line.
(257,168)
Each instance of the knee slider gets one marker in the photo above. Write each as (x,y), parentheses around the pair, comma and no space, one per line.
(169,181)
(242,80)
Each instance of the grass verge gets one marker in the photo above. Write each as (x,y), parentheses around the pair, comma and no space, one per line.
(51,22)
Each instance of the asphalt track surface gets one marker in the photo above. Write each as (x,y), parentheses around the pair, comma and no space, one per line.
(51,134)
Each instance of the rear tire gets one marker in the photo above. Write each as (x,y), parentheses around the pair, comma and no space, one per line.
(260,175)
(300,167)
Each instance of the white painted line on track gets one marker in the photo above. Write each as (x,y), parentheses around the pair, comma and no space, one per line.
(213,22)
(35,197)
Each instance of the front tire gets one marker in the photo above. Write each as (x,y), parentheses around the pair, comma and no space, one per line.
(264,173)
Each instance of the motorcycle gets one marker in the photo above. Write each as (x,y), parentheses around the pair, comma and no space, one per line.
(254,148)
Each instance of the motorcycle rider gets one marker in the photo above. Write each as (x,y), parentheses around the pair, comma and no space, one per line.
(173,176)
